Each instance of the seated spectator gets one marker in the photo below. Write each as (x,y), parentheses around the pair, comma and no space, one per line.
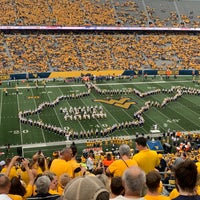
(154,185)
(42,189)
(116,187)
(86,187)
(186,179)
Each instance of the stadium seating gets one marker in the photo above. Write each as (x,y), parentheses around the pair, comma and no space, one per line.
(101,12)
(46,51)
(98,51)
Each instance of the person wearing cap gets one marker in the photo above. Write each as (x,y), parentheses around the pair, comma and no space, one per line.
(119,166)
(162,167)
(42,189)
(86,188)
(146,159)
(2,164)
(13,171)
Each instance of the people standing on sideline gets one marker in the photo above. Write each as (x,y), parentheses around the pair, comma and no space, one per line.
(146,159)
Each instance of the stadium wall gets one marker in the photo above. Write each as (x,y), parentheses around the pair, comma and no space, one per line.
(72,74)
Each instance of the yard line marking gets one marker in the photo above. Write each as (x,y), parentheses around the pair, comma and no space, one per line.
(161,113)
(192,122)
(54,110)
(38,115)
(70,105)
(196,105)
(1,106)
(20,126)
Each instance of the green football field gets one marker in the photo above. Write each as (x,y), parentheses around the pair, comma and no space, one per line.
(180,115)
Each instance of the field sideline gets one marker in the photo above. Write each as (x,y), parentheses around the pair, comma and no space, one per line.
(180,115)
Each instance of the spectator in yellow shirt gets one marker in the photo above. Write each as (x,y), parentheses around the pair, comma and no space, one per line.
(146,159)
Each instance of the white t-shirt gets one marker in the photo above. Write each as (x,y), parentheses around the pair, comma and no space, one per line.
(120,197)
(4,197)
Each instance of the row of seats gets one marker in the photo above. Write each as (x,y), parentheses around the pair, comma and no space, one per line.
(99,12)
(98,51)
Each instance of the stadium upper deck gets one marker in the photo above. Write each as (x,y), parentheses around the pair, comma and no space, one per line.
(47,51)
(142,13)
(39,52)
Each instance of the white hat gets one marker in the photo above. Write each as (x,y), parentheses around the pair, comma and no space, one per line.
(2,163)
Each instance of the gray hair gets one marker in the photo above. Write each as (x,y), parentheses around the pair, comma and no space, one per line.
(134,180)
(43,184)
(124,149)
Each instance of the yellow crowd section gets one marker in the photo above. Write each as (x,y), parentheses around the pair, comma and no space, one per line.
(81,73)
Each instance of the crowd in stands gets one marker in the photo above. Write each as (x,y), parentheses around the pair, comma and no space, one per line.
(97,13)
(93,176)
(38,52)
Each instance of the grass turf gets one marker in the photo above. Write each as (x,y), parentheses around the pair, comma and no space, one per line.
(181,115)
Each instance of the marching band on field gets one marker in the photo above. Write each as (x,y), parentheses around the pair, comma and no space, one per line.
(97,112)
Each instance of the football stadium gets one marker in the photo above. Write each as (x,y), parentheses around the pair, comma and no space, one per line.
(49,112)
(99,73)
(130,45)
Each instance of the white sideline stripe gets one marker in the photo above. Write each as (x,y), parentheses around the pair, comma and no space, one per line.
(106,83)
(20,126)
(67,143)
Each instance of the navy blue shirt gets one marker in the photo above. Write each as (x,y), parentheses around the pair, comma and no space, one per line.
(182,197)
